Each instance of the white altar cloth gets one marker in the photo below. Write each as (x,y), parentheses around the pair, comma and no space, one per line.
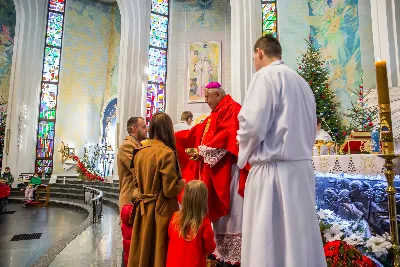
(356,165)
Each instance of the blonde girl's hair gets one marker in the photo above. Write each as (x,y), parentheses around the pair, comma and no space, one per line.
(194,209)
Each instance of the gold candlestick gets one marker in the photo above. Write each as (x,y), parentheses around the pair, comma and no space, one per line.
(330,145)
(388,154)
(319,144)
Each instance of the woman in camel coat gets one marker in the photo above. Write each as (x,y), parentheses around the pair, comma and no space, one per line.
(158,181)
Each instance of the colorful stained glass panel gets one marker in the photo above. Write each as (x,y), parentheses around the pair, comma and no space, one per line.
(48,101)
(44,169)
(269,18)
(54,29)
(57,5)
(46,148)
(155,100)
(157,58)
(51,64)
(44,163)
(158,31)
(269,12)
(160,6)
(269,27)
(157,65)
(46,130)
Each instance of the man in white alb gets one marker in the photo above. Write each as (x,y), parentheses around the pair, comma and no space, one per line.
(186,120)
(324,136)
(277,129)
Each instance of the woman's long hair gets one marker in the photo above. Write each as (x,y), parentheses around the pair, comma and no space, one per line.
(161,128)
(194,209)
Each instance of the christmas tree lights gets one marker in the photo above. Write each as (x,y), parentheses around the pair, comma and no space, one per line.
(314,71)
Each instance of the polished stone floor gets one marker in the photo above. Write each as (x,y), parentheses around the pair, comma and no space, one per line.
(53,222)
(99,245)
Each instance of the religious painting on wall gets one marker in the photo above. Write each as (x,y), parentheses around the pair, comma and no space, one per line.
(204,67)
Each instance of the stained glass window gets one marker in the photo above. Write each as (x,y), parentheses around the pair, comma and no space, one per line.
(49,90)
(157,69)
(158,31)
(157,65)
(48,101)
(269,18)
(57,5)
(155,99)
(54,29)
(160,6)
(51,64)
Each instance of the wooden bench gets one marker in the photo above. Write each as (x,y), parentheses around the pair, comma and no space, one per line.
(39,201)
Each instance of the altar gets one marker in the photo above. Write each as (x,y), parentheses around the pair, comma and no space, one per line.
(368,166)
(354,188)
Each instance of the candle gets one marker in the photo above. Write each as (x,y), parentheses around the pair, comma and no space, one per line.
(382,82)
(384,108)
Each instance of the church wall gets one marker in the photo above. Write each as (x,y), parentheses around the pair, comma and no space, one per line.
(7,31)
(190,23)
(89,70)
(343,32)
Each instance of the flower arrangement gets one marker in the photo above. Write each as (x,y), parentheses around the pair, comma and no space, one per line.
(343,238)
(85,172)
(339,253)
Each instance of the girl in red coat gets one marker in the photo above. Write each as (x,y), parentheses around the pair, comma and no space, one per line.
(191,237)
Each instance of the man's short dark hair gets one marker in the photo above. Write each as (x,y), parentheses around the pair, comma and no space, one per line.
(132,122)
(319,120)
(186,115)
(269,45)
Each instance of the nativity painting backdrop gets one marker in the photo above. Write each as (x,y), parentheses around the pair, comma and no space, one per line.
(86,112)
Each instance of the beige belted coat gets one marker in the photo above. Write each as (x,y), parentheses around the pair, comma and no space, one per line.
(158,181)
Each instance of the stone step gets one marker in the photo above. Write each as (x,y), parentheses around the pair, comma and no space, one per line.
(106,188)
(61,185)
(111,195)
(66,195)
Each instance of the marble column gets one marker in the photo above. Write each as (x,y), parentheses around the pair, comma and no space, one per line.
(25,86)
(246,29)
(133,61)
(386,35)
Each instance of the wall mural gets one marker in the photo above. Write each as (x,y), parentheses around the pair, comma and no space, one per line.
(90,72)
(335,30)
(113,53)
(204,67)
(204,14)
(7,31)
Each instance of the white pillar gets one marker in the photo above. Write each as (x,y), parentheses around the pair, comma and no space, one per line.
(386,34)
(246,29)
(133,60)
(25,85)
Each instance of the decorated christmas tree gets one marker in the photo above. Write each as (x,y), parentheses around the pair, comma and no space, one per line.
(361,116)
(312,68)
(3,116)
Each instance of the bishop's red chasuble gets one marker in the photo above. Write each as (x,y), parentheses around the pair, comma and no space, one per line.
(215,137)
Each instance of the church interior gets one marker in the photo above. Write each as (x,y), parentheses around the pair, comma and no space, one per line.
(73,72)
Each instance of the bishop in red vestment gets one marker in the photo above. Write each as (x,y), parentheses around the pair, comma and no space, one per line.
(213,156)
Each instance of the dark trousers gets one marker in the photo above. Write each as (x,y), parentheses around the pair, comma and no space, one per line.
(122,262)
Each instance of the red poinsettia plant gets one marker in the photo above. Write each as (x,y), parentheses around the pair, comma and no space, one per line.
(340,254)
(85,173)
